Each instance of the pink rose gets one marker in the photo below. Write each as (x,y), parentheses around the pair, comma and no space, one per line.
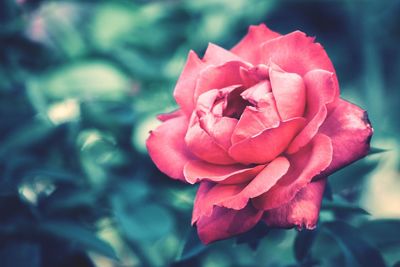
(260,127)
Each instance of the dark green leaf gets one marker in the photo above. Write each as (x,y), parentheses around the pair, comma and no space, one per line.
(377,150)
(254,236)
(356,250)
(193,246)
(341,205)
(384,232)
(303,243)
(142,222)
(78,235)
(20,254)
(352,177)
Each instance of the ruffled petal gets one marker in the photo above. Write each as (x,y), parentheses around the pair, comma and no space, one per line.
(350,131)
(254,75)
(197,170)
(184,89)
(224,223)
(167,116)
(259,185)
(266,145)
(289,93)
(216,55)
(167,148)
(221,130)
(295,52)
(304,166)
(209,195)
(217,77)
(250,46)
(257,93)
(302,211)
(204,146)
(322,89)
(254,121)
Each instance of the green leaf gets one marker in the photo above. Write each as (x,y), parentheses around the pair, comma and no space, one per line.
(193,246)
(20,254)
(254,236)
(377,150)
(352,177)
(356,250)
(142,221)
(383,232)
(85,80)
(303,243)
(340,205)
(82,237)
(29,134)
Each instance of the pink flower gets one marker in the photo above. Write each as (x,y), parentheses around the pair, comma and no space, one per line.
(260,127)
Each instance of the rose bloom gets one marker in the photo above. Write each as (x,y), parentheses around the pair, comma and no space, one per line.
(260,127)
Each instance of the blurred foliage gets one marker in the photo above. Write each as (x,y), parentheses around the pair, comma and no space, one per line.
(80,84)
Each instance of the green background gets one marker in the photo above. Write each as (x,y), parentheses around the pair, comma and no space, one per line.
(80,85)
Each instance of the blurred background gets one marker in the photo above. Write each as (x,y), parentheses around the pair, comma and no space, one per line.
(80,85)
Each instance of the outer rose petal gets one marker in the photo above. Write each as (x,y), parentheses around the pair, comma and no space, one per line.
(350,131)
(295,52)
(289,92)
(167,148)
(302,211)
(217,55)
(184,89)
(322,89)
(197,170)
(304,166)
(167,116)
(249,47)
(259,185)
(266,145)
(209,195)
(235,196)
(224,223)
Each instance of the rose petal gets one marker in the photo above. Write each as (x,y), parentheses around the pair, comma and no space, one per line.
(184,89)
(304,166)
(289,93)
(216,55)
(204,146)
(302,211)
(350,131)
(259,185)
(266,145)
(257,93)
(170,115)
(208,195)
(295,52)
(256,120)
(216,77)
(322,89)
(167,148)
(249,47)
(198,209)
(197,170)
(224,223)
(221,130)
(254,75)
